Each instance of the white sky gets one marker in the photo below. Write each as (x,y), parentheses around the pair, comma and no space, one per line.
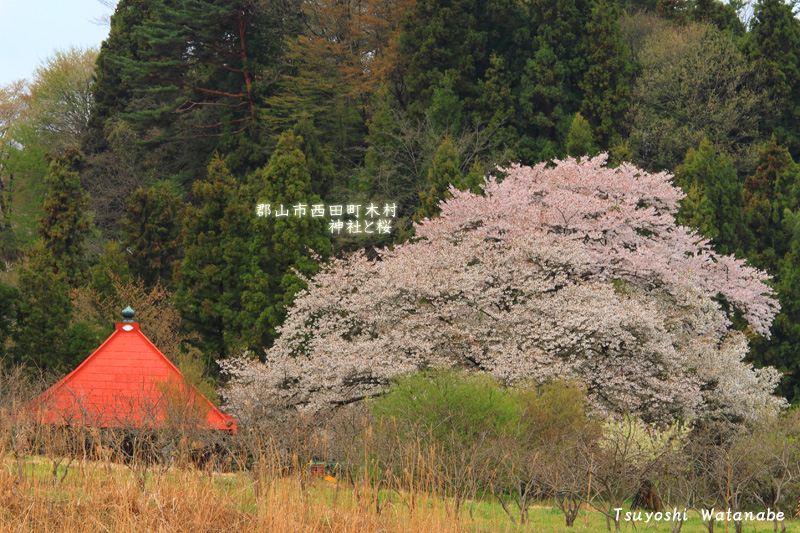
(30,30)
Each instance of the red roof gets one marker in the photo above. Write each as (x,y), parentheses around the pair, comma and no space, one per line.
(128,382)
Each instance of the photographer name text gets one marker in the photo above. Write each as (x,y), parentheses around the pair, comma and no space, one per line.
(707,514)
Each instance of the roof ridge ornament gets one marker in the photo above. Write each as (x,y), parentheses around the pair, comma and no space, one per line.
(127,314)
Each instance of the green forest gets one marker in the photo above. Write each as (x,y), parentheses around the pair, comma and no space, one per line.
(131,174)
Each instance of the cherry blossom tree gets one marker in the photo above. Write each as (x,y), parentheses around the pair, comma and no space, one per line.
(579,271)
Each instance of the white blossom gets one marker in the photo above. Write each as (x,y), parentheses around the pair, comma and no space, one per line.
(578,272)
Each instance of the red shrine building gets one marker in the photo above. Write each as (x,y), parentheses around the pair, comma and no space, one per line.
(127,382)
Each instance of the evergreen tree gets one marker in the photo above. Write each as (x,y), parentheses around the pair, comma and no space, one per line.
(549,91)
(8,242)
(544,103)
(280,245)
(456,38)
(45,310)
(475,177)
(579,141)
(182,76)
(445,111)
(9,309)
(675,10)
(606,83)
(782,349)
(496,104)
(443,173)
(697,211)
(64,223)
(400,153)
(772,210)
(768,193)
(209,279)
(111,263)
(331,73)
(714,198)
(110,92)
(620,152)
(721,15)
(153,233)
(195,59)
(649,6)
(45,337)
(318,158)
(774,39)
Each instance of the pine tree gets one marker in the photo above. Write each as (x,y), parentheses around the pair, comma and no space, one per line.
(111,94)
(181,76)
(176,80)
(714,198)
(579,141)
(64,224)
(774,40)
(153,233)
(443,173)
(193,70)
(209,279)
(606,84)
(280,245)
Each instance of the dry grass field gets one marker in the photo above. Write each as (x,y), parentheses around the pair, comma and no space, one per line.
(89,496)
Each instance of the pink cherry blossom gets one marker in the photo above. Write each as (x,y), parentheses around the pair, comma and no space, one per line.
(577,271)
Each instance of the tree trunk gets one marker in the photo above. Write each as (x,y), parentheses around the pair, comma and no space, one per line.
(570,509)
(523,514)
(506,509)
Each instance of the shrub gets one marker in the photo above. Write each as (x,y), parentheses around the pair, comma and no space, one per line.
(449,423)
